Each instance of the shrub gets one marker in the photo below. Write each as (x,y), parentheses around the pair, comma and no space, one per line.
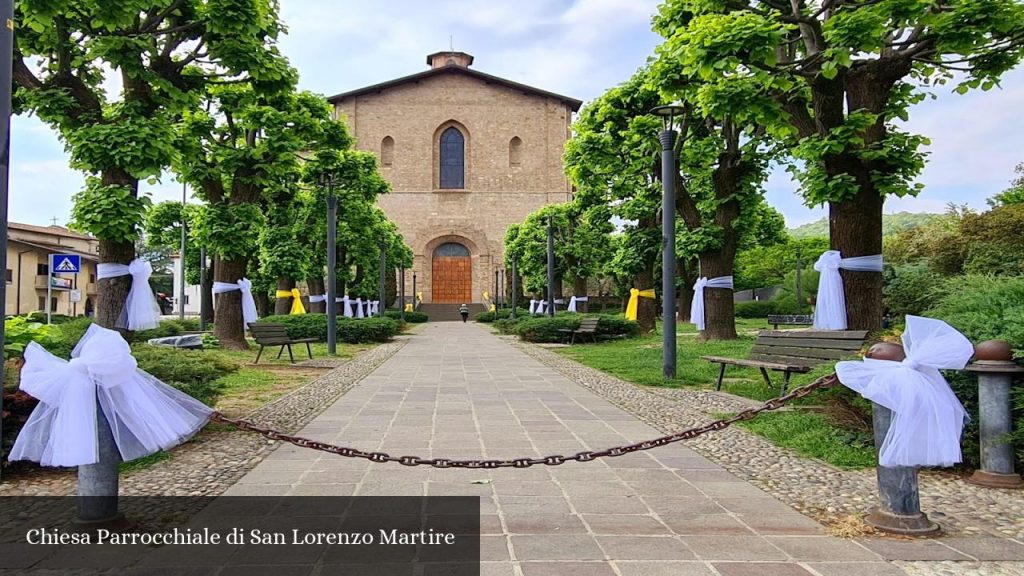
(508,325)
(910,288)
(40,316)
(410,317)
(194,372)
(69,334)
(984,308)
(165,329)
(756,308)
(351,330)
(545,329)
(503,313)
(19,332)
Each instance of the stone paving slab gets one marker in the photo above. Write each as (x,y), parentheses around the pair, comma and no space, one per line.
(457,391)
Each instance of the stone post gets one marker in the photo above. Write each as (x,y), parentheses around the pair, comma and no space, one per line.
(996,369)
(899,502)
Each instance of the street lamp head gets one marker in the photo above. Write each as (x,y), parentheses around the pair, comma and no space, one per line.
(669,114)
(327,180)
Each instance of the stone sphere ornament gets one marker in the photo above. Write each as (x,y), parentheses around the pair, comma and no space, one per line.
(993,351)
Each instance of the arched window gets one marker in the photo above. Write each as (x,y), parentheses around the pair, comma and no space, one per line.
(453,159)
(387,151)
(450,249)
(515,151)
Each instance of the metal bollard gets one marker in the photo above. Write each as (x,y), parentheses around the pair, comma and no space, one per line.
(899,502)
(996,369)
(98,483)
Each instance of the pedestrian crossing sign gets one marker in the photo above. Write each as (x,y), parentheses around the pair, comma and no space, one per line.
(65,263)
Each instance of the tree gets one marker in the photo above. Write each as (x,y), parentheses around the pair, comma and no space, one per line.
(1012,195)
(612,160)
(164,52)
(832,77)
(162,235)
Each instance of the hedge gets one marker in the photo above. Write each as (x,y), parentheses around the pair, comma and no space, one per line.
(410,317)
(546,329)
(351,330)
(504,313)
(508,325)
(194,372)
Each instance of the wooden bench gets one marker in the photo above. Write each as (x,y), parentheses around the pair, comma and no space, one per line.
(587,326)
(790,351)
(267,334)
(777,320)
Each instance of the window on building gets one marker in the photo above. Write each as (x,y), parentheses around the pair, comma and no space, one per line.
(186,299)
(42,269)
(515,151)
(42,303)
(10,276)
(92,278)
(53,304)
(387,151)
(453,159)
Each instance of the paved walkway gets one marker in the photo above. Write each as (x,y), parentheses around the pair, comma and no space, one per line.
(664,512)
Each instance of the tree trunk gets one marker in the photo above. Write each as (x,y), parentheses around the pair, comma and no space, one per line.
(390,286)
(647,308)
(579,288)
(316,287)
(283,304)
(111,293)
(262,303)
(719,306)
(229,327)
(855,228)
(687,272)
(206,293)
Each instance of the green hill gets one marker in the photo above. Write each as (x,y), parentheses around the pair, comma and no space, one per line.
(891,224)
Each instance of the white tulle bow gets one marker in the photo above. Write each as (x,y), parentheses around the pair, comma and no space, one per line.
(249,314)
(533,306)
(317,298)
(573,300)
(359,308)
(697,306)
(927,418)
(830,307)
(141,311)
(145,415)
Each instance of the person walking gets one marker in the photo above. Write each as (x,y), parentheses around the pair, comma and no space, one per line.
(464,310)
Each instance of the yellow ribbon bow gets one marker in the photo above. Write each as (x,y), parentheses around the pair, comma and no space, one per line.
(296,296)
(487,295)
(419,296)
(408,307)
(494,308)
(634,299)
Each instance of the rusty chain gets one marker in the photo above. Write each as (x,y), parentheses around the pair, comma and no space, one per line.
(586,456)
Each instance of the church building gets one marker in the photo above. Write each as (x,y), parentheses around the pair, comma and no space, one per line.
(467,154)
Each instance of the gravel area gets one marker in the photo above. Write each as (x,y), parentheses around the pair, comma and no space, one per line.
(821,491)
(950,568)
(216,459)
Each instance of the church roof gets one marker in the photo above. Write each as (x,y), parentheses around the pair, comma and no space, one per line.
(456,69)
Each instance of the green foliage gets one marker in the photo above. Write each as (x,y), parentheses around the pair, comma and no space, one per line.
(351,330)
(508,325)
(108,212)
(488,316)
(194,372)
(19,331)
(762,266)
(166,329)
(910,288)
(410,317)
(545,329)
(70,333)
(892,224)
(1012,195)
(814,436)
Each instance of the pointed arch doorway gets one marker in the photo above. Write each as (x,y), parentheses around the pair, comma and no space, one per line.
(451,274)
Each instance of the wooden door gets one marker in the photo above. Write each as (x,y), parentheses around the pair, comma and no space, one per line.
(452,280)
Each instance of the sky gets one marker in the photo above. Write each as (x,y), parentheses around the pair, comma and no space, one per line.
(578,48)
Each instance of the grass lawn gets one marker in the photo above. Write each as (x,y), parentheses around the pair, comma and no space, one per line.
(638,360)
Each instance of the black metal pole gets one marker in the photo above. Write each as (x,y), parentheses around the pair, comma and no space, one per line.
(401,295)
(381,293)
(668,252)
(181,289)
(332,264)
(551,267)
(202,288)
(515,297)
(799,288)
(415,304)
(6,58)
(494,298)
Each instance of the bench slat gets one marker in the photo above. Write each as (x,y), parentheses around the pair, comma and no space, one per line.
(790,360)
(783,366)
(817,334)
(809,343)
(821,353)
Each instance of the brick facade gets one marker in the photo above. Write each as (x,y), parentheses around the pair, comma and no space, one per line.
(514,141)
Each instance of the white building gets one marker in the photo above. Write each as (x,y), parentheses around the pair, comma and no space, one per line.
(192,292)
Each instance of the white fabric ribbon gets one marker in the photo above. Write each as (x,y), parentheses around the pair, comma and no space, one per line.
(145,415)
(830,309)
(141,311)
(317,298)
(533,306)
(346,309)
(359,308)
(573,300)
(374,307)
(249,314)
(541,306)
(697,306)
(927,418)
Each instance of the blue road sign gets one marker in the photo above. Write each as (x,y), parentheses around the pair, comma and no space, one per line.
(65,263)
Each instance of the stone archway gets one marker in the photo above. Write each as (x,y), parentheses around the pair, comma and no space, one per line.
(451,274)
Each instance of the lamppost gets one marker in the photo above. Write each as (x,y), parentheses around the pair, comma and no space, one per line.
(381,293)
(6,51)
(401,294)
(327,181)
(515,297)
(669,169)
(181,288)
(202,288)
(799,287)
(494,299)
(551,267)
(415,304)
